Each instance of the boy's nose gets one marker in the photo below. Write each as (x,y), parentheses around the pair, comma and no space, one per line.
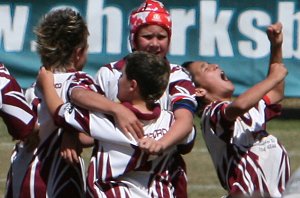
(215,66)
(154,42)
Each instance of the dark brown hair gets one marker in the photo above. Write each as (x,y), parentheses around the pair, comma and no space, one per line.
(151,73)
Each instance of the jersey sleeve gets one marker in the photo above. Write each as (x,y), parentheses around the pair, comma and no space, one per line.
(16,113)
(272,110)
(107,78)
(96,124)
(102,75)
(82,80)
(181,90)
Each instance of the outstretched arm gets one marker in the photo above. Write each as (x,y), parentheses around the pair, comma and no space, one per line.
(125,118)
(88,99)
(92,101)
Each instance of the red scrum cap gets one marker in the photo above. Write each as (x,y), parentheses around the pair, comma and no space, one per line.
(151,12)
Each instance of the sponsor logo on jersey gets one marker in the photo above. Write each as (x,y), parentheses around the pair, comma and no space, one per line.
(157,133)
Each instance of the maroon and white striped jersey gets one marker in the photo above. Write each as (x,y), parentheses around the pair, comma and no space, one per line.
(48,174)
(248,160)
(118,168)
(16,113)
(180,93)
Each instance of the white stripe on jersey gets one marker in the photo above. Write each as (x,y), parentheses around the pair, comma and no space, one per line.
(18,95)
(3,81)
(32,177)
(18,113)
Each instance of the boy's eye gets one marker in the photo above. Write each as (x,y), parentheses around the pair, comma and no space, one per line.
(147,36)
(161,37)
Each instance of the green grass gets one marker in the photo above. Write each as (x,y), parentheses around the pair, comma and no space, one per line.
(203,182)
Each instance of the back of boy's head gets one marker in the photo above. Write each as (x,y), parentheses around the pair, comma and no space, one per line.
(59,33)
(186,66)
(151,73)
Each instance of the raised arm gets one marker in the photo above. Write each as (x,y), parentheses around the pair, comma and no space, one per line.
(252,96)
(89,99)
(272,86)
(275,36)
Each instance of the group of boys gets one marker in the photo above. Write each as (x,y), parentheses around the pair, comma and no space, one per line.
(137,151)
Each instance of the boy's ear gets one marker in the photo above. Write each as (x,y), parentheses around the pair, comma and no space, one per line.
(77,55)
(133,85)
(200,92)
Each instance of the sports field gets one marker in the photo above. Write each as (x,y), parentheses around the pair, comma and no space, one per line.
(203,182)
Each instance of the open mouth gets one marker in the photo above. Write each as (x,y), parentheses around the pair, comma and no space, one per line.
(223,76)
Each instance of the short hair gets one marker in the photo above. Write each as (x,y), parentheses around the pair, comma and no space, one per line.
(151,73)
(59,33)
(186,64)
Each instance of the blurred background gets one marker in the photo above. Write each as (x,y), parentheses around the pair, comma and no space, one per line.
(230,33)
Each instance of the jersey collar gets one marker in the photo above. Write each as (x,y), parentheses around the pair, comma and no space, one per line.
(144,116)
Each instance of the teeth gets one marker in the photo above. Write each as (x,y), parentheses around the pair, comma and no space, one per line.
(223,76)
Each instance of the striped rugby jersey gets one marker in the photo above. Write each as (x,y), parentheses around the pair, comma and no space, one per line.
(118,168)
(248,160)
(17,115)
(180,93)
(48,174)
